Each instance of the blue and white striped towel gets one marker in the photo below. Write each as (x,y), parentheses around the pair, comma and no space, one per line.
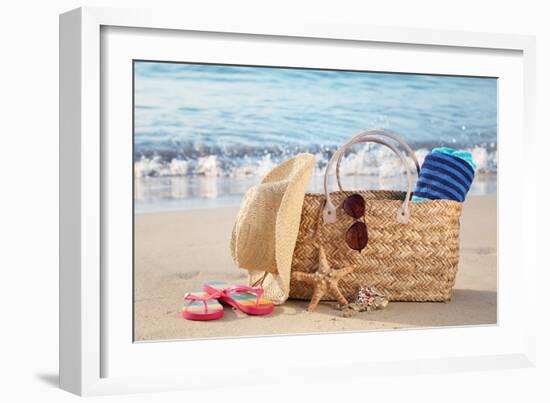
(445,174)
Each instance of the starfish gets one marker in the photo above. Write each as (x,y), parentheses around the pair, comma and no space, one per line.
(324,281)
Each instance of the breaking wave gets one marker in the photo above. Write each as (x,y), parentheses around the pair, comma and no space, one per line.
(369,160)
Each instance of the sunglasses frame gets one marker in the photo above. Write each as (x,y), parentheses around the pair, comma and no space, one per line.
(355,211)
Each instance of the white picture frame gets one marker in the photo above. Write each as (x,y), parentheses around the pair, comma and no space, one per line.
(91,335)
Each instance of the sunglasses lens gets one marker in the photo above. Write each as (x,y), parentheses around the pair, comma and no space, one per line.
(354,206)
(357,236)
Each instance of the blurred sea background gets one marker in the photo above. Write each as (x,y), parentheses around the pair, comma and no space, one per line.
(203,134)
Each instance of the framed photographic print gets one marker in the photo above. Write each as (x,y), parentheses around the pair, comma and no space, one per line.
(320,184)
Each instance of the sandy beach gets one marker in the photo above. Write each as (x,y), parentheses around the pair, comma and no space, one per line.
(176,252)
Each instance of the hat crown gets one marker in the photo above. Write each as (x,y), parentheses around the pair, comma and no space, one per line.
(266,227)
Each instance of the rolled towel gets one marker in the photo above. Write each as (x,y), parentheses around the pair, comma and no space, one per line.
(445,174)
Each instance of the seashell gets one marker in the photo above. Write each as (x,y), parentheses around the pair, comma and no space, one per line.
(368,299)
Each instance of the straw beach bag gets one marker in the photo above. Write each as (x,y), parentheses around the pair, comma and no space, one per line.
(413,248)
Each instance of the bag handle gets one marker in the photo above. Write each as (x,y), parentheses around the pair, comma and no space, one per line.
(364,134)
(402,214)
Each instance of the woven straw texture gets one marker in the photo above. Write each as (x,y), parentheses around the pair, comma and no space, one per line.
(416,261)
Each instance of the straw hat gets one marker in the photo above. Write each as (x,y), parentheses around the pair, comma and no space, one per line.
(266,228)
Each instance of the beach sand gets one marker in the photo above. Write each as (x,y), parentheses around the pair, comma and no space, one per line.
(176,252)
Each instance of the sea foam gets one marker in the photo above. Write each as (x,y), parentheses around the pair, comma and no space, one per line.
(369,160)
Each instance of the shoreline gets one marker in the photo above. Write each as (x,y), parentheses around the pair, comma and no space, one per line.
(185,193)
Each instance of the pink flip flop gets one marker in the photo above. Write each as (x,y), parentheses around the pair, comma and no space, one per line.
(247,299)
(201,305)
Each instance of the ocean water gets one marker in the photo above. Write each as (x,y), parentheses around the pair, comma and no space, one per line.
(203,134)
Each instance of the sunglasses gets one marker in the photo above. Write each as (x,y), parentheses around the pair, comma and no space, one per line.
(357,235)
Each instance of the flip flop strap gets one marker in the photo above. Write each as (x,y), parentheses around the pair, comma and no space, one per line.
(203,298)
(259,291)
